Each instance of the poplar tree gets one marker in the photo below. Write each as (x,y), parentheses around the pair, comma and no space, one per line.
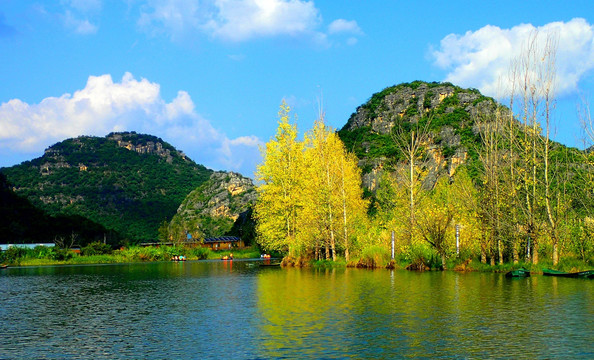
(281,188)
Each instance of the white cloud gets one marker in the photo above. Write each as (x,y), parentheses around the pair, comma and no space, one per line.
(239,20)
(344,26)
(79,26)
(103,106)
(481,58)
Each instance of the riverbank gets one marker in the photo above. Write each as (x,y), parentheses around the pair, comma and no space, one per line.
(378,260)
(41,256)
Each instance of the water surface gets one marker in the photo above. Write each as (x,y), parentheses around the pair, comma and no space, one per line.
(216,309)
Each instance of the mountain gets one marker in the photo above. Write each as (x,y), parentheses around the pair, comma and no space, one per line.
(220,206)
(453,136)
(127,182)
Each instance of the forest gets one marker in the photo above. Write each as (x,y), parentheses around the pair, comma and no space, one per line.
(509,195)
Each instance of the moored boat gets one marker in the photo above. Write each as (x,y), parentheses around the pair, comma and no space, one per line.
(588,274)
(521,272)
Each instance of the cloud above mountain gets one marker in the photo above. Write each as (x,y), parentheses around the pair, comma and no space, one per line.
(240,20)
(481,58)
(103,106)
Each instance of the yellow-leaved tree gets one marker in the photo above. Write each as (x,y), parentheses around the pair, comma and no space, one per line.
(310,195)
(281,189)
(333,187)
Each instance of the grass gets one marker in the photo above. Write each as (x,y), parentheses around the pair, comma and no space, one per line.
(127,255)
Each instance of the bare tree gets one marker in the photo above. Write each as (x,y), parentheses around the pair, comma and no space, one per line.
(411,143)
(534,77)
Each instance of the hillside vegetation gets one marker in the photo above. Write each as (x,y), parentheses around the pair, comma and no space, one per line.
(127,182)
(220,206)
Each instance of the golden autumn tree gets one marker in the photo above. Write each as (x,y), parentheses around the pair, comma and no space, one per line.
(333,188)
(354,207)
(322,179)
(281,188)
(310,196)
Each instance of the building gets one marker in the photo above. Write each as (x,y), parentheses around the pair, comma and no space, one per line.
(223,242)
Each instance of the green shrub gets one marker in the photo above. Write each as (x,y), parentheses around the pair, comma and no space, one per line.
(62,254)
(374,257)
(199,253)
(14,253)
(96,248)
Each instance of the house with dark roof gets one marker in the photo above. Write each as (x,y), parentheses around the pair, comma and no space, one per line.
(223,242)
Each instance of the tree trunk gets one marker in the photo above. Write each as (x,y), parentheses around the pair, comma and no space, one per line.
(483,253)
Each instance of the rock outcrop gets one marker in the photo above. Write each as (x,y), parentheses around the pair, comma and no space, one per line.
(212,208)
(452,111)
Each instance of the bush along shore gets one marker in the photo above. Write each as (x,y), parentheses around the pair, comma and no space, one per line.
(372,258)
(422,258)
(99,253)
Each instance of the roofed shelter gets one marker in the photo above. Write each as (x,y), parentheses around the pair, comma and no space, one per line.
(223,242)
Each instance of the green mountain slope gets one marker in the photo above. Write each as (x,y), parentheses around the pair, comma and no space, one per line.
(220,206)
(453,137)
(127,182)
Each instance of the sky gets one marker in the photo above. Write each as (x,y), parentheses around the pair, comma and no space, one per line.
(208,76)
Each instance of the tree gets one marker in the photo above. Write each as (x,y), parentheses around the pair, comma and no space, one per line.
(334,189)
(534,74)
(411,142)
(280,191)
(435,218)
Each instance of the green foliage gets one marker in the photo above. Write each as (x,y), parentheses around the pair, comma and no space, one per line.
(199,253)
(365,143)
(96,248)
(374,257)
(126,191)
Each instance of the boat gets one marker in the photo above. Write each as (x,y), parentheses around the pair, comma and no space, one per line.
(521,272)
(3,266)
(588,274)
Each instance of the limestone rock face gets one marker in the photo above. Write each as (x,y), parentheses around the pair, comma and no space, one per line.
(453,113)
(212,208)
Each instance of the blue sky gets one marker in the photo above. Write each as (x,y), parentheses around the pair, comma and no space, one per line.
(208,76)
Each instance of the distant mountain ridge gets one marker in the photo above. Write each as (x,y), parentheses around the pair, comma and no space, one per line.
(127,182)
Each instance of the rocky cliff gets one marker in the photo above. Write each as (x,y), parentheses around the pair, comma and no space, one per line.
(212,208)
(453,136)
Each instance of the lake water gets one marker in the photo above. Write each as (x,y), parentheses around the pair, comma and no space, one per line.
(215,309)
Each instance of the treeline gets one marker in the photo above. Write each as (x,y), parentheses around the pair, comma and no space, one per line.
(310,198)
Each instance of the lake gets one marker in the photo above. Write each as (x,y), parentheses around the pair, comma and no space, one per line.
(238,310)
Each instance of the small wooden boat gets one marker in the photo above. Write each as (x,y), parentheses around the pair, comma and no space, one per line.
(551,272)
(521,272)
(3,266)
(588,274)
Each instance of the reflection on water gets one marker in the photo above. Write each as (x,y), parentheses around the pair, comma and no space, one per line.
(217,309)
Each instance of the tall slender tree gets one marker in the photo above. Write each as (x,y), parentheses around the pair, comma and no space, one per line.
(281,188)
